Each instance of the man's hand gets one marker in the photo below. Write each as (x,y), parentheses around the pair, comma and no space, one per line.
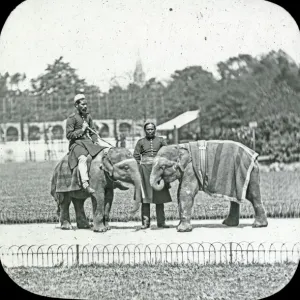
(85,125)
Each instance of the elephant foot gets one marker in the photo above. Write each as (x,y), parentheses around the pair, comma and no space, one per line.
(66,225)
(231,222)
(100,228)
(184,227)
(260,223)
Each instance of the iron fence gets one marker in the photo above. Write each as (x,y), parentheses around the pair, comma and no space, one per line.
(132,254)
(289,209)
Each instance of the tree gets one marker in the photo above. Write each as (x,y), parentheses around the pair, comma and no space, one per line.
(56,88)
(4,83)
(15,80)
(59,78)
(135,102)
(188,89)
(236,67)
(3,93)
(152,105)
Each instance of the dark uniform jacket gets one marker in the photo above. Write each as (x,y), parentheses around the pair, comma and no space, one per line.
(81,143)
(148,148)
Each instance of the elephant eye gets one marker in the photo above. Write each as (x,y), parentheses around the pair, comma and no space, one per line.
(126,167)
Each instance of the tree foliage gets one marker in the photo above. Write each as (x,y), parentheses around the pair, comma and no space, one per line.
(59,79)
(265,89)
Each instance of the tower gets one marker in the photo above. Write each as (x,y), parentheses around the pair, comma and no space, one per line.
(139,74)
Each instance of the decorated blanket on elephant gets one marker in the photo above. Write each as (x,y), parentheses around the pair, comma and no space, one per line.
(223,168)
(64,180)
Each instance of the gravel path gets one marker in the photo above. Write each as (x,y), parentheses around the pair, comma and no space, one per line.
(280,230)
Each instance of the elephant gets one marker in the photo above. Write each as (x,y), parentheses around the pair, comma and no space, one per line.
(109,165)
(222,161)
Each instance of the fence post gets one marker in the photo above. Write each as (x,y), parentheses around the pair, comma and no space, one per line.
(230,252)
(175,130)
(77,254)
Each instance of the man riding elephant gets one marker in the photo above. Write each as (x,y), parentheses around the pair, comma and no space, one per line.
(220,168)
(78,177)
(80,132)
(104,169)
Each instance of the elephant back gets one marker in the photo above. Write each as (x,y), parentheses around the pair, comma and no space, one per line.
(227,169)
(63,179)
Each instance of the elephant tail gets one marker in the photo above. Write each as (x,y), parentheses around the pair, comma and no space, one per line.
(53,185)
(58,197)
(54,180)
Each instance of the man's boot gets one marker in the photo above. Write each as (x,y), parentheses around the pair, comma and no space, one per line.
(160,216)
(145,211)
(118,185)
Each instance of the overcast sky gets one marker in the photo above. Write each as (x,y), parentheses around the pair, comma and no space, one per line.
(102,39)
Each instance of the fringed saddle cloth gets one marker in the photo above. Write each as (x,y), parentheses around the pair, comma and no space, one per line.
(64,180)
(223,168)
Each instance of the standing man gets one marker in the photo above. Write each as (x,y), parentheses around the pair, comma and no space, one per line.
(84,141)
(144,153)
(123,140)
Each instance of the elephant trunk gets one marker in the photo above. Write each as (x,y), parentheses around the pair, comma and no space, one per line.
(138,195)
(138,189)
(156,180)
(137,182)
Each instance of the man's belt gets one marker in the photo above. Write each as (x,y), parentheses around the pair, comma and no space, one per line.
(147,160)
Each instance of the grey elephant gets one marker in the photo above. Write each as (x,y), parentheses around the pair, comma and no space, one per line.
(220,168)
(108,166)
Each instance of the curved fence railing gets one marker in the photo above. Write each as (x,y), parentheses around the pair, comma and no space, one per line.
(121,214)
(185,253)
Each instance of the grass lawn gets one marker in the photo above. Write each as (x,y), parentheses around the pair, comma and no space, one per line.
(156,282)
(25,196)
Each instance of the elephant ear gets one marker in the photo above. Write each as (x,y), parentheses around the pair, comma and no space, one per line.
(183,159)
(180,165)
(106,165)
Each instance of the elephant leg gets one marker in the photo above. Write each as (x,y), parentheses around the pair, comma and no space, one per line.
(98,210)
(81,219)
(186,193)
(233,217)
(64,213)
(254,196)
(108,199)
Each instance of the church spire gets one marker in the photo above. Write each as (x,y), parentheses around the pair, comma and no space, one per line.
(139,74)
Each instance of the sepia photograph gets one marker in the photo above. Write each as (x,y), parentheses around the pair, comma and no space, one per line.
(150,149)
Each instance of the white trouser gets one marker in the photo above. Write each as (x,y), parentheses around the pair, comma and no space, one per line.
(82,167)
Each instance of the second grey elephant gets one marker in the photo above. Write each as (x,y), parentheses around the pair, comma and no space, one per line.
(228,169)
